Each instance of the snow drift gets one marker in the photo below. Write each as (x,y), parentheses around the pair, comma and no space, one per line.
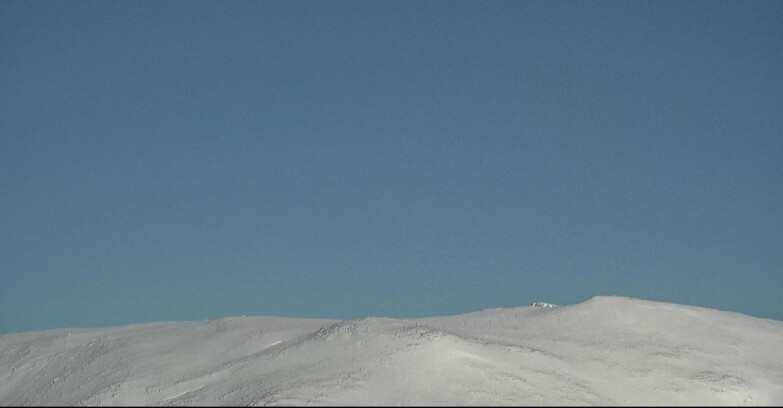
(603,351)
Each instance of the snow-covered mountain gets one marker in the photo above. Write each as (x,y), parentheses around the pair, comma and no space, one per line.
(606,350)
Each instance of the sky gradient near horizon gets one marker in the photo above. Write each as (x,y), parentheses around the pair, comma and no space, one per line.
(192,160)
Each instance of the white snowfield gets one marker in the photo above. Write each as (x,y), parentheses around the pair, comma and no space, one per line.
(604,351)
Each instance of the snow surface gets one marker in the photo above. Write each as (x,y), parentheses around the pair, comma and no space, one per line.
(604,351)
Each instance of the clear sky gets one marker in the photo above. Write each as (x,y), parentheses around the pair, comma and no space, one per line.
(192,160)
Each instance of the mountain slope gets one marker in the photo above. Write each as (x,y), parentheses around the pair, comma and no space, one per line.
(606,350)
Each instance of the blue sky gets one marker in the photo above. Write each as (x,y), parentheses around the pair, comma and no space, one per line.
(192,160)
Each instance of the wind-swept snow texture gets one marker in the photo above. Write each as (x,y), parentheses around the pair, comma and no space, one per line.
(606,350)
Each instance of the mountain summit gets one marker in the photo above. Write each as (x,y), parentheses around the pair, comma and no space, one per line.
(606,350)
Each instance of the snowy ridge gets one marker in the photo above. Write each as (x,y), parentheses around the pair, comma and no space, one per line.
(606,350)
